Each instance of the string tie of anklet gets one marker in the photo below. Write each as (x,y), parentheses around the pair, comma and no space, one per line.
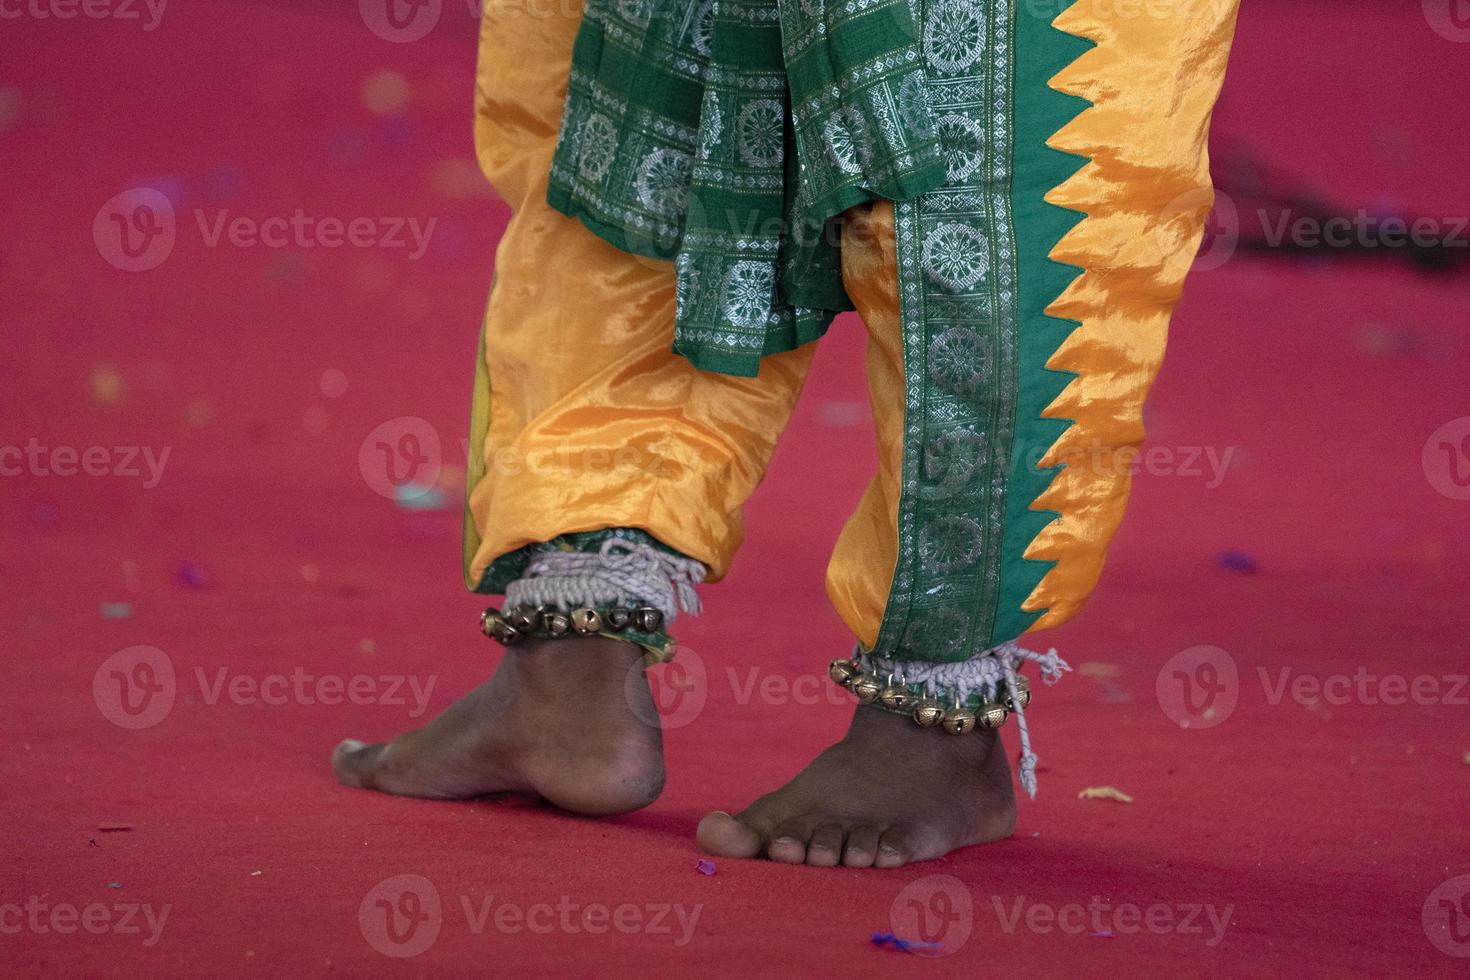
(621,571)
(961,696)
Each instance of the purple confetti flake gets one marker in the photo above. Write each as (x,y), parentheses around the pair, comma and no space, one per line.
(1237,561)
(705,867)
(46,514)
(887,940)
(191,575)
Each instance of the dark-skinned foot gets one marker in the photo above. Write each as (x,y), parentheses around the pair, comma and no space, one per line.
(571,721)
(888,794)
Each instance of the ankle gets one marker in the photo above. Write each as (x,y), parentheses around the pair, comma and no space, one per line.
(583,660)
(888,733)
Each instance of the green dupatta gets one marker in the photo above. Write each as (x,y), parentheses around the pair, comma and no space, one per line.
(728,135)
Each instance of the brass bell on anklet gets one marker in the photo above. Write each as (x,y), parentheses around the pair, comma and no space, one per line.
(494,625)
(647,619)
(992,716)
(843,671)
(1022,693)
(928,713)
(867,687)
(556,624)
(618,618)
(587,622)
(524,619)
(959,721)
(488,620)
(896,697)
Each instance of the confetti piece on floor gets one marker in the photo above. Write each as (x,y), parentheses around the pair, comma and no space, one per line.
(887,940)
(1103,934)
(198,413)
(112,827)
(705,867)
(114,884)
(420,498)
(333,383)
(191,575)
(256,874)
(1104,793)
(115,610)
(386,93)
(106,386)
(9,105)
(1101,671)
(1237,561)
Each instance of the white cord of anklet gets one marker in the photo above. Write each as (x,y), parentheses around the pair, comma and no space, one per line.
(621,571)
(978,675)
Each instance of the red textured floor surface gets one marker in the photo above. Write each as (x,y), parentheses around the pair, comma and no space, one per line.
(1300,833)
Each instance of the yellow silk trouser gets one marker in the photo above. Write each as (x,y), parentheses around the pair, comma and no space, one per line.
(589,420)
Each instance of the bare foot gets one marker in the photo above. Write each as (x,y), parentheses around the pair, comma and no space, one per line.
(889,793)
(569,720)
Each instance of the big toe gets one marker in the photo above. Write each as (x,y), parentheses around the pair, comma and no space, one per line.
(353,762)
(724,836)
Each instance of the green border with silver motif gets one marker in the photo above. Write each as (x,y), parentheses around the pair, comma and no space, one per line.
(974,282)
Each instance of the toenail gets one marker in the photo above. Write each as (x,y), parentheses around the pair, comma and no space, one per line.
(787,840)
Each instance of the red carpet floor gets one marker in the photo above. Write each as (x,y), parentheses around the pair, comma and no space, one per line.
(1311,830)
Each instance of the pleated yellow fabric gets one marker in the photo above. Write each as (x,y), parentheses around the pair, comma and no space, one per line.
(861,569)
(585,418)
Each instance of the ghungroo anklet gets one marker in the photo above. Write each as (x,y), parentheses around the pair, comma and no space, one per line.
(981,692)
(959,717)
(642,625)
